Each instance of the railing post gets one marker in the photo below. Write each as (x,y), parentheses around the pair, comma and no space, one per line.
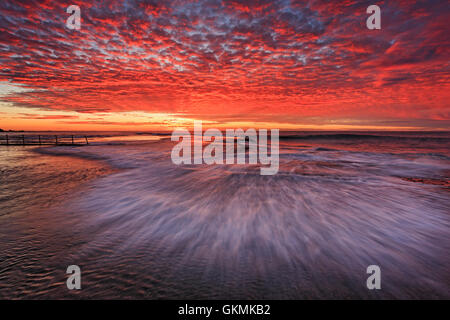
(7,140)
(56,139)
(23,139)
(72,139)
(87,142)
(39,140)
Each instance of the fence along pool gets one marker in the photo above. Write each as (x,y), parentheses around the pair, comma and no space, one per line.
(26,140)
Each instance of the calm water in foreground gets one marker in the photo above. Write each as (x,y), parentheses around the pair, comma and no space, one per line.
(141,227)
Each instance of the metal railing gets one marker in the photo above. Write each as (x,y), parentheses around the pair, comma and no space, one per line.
(39,140)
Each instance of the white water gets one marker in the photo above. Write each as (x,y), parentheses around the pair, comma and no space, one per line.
(156,230)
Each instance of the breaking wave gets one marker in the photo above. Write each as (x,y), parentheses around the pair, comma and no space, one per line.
(156,230)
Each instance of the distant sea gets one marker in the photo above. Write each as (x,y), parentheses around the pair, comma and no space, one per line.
(141,227)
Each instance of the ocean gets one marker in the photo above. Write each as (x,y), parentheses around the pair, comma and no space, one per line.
(141,227)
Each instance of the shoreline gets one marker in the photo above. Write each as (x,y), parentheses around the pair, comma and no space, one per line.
(158,220)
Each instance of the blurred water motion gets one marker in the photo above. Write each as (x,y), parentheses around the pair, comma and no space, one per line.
(142,227)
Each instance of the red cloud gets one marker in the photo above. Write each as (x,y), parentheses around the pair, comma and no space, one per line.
(248,60)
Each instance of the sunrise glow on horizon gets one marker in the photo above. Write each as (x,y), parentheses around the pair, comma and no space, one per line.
(224,158)
(305,65)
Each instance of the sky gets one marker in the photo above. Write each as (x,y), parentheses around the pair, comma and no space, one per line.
(289,64)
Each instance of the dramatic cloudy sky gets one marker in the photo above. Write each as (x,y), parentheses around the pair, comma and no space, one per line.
(138,65)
